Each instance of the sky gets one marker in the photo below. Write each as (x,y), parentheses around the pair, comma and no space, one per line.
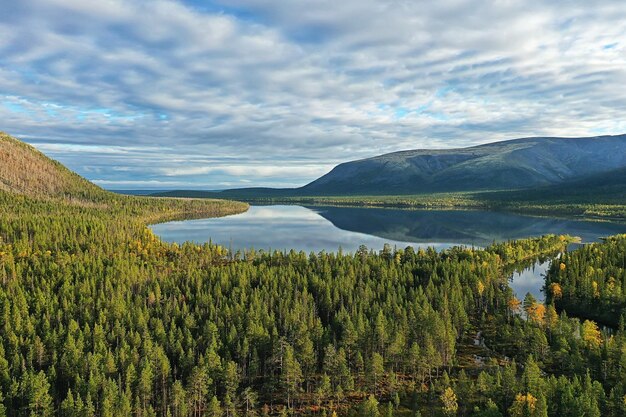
(165,94)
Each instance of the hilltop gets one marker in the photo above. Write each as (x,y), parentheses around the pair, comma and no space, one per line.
(26,171)
(507,165)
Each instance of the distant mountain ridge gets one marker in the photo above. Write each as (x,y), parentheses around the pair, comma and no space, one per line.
(513,164)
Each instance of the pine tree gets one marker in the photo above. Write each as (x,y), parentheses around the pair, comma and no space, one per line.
(37,391)
(67,408)
(529,304)
(369,407)
(79,407)
(179,400)
(198,389)
(229,407)
(249,400)
(491,410)
(291,375)
(389,410)
(89,410)
(532,381)
(214,408)
(144,384)
(376,370)
(3,410)
(464,390)
(324,389)
(231,378)
(380,332)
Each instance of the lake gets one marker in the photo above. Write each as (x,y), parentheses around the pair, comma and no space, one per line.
(313,229)
(284,227)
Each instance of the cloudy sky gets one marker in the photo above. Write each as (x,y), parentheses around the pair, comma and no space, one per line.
(233,93)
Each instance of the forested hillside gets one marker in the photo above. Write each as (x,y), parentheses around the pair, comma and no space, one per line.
(605,188)
(24,170)
(101,318)
(591,282)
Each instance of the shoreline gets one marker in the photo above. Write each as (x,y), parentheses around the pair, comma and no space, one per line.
(469,206)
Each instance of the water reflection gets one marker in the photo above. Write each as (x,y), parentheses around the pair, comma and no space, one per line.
(478,228)
(281,228)
(285,227)
(530,280)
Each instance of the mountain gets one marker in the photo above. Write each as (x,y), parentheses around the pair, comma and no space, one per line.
(25,170)
(513,164)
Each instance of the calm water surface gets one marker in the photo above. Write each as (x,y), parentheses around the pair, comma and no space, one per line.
(530,280)
(284,227)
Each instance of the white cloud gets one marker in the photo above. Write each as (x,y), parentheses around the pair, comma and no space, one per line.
(300,171)
(258,87)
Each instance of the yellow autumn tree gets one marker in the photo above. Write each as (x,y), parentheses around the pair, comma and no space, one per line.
(591,334)
(514,305)
(525,406)
(596,291)
(450,404)
(556,290)
(611,285)
(537,313)
(480,287)
(552,318)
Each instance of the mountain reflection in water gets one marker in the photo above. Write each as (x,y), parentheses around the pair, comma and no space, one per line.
(285,227)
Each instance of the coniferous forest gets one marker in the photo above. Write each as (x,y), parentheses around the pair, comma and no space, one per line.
(98,317)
